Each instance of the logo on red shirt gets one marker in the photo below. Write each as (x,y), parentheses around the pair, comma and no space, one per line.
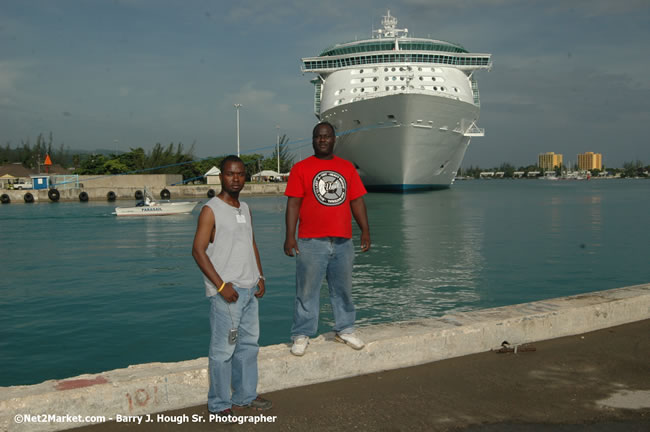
(330,188)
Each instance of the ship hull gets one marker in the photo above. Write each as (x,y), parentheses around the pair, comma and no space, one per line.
(404,142)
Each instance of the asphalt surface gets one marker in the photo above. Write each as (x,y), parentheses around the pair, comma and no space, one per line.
(595,382)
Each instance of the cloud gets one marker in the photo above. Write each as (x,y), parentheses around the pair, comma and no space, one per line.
(588,8)
(10,73)
(594,8)
(255,99)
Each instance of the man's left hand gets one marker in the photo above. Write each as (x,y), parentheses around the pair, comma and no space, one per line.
(365,242)
(260,289)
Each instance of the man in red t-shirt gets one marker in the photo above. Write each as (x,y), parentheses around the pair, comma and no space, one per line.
(323,192)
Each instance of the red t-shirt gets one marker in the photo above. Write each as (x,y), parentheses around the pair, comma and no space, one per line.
(326,187)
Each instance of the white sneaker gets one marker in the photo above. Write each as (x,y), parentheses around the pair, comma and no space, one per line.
(299,346)
(350,339)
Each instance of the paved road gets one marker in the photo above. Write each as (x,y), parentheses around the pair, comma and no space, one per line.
(596,382)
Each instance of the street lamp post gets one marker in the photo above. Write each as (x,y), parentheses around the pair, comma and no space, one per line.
(237,106)
(278,147)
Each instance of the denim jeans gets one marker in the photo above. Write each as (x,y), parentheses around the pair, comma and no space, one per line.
(331,258)
(233,365)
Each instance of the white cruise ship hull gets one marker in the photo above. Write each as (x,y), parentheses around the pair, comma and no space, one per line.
(405,141)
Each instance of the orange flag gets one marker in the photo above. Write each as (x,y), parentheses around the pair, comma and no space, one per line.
(48,161)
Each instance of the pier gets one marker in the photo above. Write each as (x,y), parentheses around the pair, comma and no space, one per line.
(157,387)
(129,192)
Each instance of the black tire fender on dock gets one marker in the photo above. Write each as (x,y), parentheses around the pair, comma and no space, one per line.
(165,194)
(139,195)
(53,194)
(110,196)
(28,197)
(211,193)
(5,199)
(83,197)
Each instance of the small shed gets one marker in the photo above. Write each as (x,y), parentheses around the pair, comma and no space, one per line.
(269,175)
(41,181)
(5,180)
(212,176)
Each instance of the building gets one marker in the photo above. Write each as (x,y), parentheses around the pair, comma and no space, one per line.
(212,176)
(590,161)
(549,161)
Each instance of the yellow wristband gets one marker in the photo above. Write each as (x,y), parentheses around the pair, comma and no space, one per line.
(221,287)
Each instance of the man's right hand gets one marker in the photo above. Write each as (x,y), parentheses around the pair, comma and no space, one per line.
(229,294)
(289,245)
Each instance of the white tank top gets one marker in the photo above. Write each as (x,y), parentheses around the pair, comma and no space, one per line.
(232,253)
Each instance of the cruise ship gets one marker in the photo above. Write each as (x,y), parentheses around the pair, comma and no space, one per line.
(404,108)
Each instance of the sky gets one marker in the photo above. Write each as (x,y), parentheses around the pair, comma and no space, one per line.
(568,76)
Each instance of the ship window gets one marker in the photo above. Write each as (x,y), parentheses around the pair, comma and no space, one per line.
(403,88)
(362,89)
(361,71)
(421,79)
(357,122)
(420,69)
(374,79)
(385,78)
(393,69)
(387,88)
(362,79)
(401,78)
(391,116)
(435,88)
(394,78)
(385,69)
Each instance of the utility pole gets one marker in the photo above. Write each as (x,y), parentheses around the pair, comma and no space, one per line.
(278,147)
(237,106)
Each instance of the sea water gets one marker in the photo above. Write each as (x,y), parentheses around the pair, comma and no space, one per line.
(83,291)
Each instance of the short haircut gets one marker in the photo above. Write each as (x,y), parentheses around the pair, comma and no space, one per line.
(328,124)
(231,158)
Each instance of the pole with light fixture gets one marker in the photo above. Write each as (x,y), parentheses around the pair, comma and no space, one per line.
(237,106)
(278,146)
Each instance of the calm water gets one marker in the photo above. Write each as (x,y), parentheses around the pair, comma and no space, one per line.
(83,291)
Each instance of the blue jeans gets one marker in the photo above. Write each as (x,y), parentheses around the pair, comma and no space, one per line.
(233,365)
(333,258)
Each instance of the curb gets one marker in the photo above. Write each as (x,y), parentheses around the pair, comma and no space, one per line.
(156,387)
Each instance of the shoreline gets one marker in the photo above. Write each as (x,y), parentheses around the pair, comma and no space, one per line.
(156,387)
(122,193)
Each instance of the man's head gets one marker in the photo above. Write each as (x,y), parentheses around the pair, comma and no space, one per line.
(233,174)
(323,139)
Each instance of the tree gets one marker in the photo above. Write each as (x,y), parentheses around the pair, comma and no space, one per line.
(632,169)
(114,166)
(92,165)
(507,169)
(286,157)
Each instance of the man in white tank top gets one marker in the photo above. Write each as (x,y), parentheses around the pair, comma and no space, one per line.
(225,250)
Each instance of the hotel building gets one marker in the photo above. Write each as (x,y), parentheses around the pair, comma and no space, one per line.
(549,161)
(590,161)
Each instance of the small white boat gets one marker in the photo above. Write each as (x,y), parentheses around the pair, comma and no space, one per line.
(149,207)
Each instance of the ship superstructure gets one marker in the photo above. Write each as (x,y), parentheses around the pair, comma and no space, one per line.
(404,108)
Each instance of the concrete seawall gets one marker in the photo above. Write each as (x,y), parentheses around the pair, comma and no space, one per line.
(128,193)
(156,387)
